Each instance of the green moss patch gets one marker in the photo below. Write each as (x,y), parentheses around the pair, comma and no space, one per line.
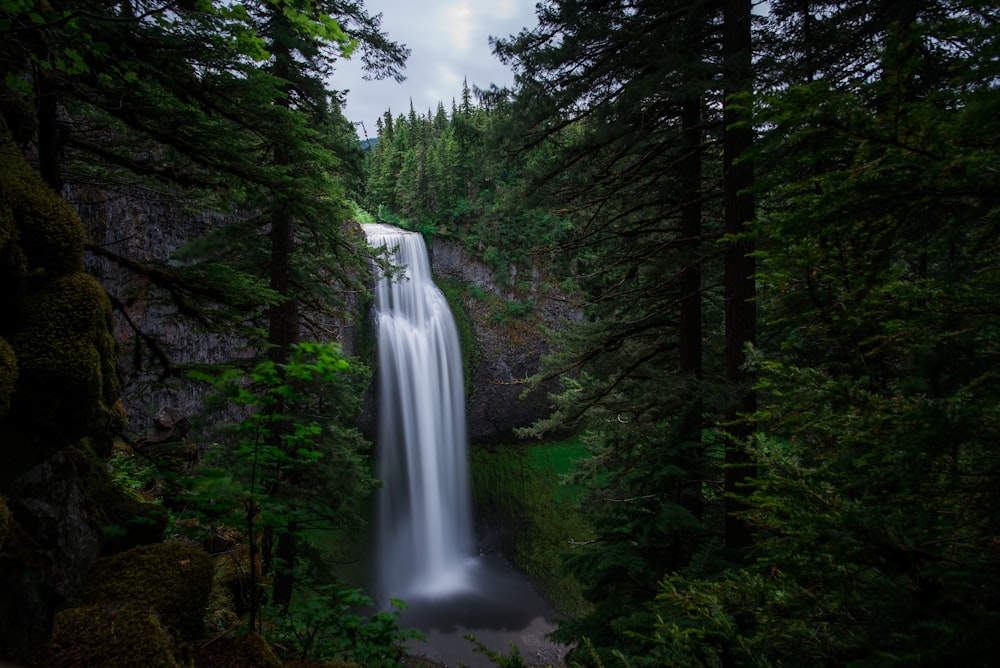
(130,636)
(454,292)
(58,374)
(47,229)
(172,579)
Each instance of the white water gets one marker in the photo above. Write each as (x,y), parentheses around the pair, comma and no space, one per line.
(424,521)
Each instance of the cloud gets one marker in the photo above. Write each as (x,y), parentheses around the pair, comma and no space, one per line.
(504,9)
(449,41)
(457,21)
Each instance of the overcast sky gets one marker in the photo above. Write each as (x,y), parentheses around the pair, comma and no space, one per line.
(448,40)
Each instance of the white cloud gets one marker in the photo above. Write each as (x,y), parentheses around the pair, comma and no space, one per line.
(449,40)
(504,9)
(457,22)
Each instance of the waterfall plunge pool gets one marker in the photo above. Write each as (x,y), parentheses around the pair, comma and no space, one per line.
(498,606)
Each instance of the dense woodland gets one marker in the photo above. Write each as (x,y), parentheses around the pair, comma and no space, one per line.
(780,222)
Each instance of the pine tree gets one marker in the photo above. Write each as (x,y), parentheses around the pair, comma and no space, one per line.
(876,281)
(875,504)
(185,100)
(628,91)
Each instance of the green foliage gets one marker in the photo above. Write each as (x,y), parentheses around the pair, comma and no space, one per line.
(325,625)
(512,309)
(451,175)
(517,491)
(512,660)
(875,502)
(871,503)
(299,470)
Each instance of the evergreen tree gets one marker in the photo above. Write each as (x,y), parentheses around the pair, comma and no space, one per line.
(879,280)
(876,502)
(227,107)
(628,91)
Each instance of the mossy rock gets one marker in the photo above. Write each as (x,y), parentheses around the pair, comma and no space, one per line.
(125,520)
(172,578)
(236,651)
(8,375)
(6,522)
(68,382)
(47,229)
(66,338)
(129,636)
(57,345)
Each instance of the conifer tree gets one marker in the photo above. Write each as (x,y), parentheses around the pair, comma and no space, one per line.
(875,502)
(225,107)
(628,91)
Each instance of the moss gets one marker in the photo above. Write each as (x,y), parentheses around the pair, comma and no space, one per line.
(121,637)
(8,375)
(125,520)
(62,330)
(47,229)
(56,329)
(65,356)
(517,492)
(6,522)
(236,651)
(454,292)
(172,578)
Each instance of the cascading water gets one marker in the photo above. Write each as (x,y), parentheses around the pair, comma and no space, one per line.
(424,532)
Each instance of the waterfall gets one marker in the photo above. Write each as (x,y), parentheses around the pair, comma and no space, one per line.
(424,519)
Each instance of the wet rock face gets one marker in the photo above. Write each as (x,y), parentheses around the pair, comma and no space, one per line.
(509,341)
(52,510)
(43,557)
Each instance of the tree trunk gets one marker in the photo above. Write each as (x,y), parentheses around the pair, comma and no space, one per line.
(739,287)
(690,335)
(283,333)
(284,568)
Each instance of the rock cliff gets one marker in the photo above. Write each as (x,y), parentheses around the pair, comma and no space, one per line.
(509,319)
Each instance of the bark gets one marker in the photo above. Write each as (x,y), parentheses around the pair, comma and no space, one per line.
(739,287)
